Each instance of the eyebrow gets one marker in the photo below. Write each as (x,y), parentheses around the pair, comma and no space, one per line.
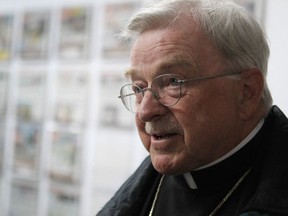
(166,63)
(129,72)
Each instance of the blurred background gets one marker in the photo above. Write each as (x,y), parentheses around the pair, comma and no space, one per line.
(66,141)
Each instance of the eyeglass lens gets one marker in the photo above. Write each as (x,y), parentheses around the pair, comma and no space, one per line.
(165,88)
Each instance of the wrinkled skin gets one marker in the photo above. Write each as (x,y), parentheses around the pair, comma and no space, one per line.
(212,116)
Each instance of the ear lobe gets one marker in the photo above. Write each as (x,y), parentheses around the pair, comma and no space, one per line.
(252,89)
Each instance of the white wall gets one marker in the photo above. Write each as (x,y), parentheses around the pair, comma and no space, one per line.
(277,30)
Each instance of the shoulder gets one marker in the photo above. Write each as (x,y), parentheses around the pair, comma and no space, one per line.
(131,194)
(271,194)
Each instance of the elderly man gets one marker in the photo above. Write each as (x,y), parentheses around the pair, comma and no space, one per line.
(204,113)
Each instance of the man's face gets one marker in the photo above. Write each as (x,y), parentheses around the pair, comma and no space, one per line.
(204,124)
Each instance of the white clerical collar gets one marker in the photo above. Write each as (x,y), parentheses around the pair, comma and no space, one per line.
(188,177)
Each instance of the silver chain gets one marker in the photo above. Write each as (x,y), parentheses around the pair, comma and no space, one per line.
(156,196)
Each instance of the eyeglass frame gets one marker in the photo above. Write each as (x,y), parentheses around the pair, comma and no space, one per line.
(180,82)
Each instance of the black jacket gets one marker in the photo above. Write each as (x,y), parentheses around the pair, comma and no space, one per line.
(269,174)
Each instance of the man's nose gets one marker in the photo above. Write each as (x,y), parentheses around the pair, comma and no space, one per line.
(150,107)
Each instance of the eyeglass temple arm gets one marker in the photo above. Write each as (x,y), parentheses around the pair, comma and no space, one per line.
(126,95)
(208,77)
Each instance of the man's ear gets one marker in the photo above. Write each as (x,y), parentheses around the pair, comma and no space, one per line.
(252,84)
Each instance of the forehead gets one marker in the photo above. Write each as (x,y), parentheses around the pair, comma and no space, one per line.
(163,65)
(171,47)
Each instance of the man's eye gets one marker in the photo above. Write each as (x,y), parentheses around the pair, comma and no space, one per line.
(137,89)
(170,81)
(166,81)
(174,81)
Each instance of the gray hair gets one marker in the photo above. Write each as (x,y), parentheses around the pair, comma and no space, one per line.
(229,26)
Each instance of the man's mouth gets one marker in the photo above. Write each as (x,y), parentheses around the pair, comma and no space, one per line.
(162,136)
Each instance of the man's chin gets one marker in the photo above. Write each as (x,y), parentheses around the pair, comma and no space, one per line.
(163,164)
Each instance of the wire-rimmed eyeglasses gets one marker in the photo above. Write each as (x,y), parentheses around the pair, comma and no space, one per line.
(165,88)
